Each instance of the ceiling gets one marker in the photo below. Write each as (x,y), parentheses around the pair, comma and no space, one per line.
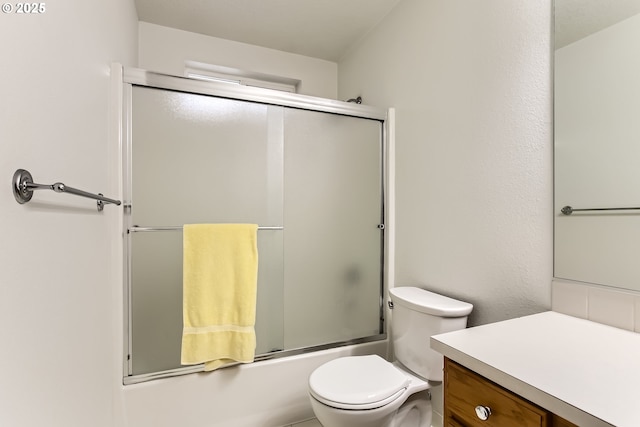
(326,29)
(323,29)
(576,19)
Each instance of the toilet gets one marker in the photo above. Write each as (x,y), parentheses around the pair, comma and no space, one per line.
(368,391)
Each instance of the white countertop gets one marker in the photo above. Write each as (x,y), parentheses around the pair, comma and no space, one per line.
(585,372)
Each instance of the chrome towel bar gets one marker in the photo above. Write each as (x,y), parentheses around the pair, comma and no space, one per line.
(23,187)
(568,210)
(136,229)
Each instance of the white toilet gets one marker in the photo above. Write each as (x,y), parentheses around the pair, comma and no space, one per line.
(368,391)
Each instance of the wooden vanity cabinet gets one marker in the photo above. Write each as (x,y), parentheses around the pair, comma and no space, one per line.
(469,397)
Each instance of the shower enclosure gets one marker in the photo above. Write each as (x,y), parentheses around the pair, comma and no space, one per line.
(309,171)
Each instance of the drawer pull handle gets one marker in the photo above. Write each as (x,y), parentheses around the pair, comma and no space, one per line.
(483,412)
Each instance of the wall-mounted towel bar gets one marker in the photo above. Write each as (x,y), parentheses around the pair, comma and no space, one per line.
(568,210)
(136,229)
(23,187)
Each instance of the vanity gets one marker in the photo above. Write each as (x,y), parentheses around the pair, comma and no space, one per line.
(464,390)
(547,369)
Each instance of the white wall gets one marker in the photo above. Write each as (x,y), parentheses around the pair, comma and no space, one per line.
(165,50)
(57,310)
(470,82)
(597,96)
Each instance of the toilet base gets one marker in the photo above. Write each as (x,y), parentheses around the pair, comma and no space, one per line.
(414,412)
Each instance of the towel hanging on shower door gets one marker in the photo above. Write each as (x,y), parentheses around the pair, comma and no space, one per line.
(220,274)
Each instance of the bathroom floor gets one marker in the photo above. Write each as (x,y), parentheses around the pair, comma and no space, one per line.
(308,423)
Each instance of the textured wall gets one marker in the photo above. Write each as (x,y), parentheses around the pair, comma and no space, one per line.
(59,333)
(471,85)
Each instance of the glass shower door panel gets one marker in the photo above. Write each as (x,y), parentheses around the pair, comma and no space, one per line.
(202,159)
(199,159)
(156,298)
(333,206)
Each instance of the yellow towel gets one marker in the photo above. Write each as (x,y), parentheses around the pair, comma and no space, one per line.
(220,274)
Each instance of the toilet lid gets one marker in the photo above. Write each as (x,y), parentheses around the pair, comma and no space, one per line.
(357,382)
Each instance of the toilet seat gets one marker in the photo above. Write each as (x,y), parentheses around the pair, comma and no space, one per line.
(358,383)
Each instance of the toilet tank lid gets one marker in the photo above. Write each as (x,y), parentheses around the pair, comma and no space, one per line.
(428,302)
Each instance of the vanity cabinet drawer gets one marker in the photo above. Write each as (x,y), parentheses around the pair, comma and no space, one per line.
(465,390)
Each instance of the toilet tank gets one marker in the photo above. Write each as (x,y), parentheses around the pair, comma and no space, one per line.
(417,315)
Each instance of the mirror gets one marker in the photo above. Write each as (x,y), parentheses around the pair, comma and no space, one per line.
(597,141)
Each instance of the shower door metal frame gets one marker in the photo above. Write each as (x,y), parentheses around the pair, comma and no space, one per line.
(131,77)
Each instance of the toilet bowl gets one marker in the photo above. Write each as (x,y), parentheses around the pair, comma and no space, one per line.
(361,391)
(368,391)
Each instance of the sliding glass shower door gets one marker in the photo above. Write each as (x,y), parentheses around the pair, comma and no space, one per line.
(311,179)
